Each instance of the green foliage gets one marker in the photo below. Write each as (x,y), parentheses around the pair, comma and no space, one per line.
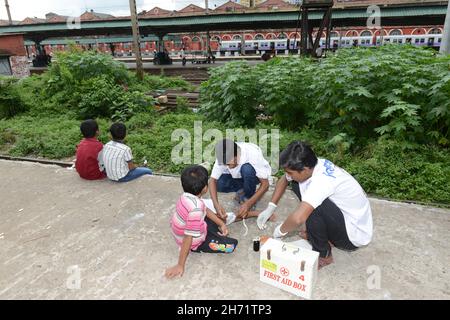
(388,168)
(86,84)
(53,138)
(93,85)
(284,91)
(402,170)
(72,67)
(10,100)
(388,91)
(231,94)
(382,114)
(357,94)
(100,97)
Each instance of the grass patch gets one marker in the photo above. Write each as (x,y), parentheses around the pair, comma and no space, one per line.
(385,168)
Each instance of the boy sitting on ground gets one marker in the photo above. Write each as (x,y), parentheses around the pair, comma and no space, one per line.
(195,227)
(89,162)
(118,159)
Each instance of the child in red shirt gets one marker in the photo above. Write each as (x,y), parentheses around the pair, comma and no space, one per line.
(89,163)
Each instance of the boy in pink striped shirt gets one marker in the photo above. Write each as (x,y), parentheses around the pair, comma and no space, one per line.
(195,227)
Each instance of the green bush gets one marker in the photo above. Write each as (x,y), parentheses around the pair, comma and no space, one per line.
(100,97)
(10,100)
(396,91)
(394,169)
(284,90)
(402,170)
(231,95)
(73,66)
(352,97)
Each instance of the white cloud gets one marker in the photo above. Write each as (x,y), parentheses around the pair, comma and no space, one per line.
(20,9)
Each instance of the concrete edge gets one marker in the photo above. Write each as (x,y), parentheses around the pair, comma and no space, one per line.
(66,164)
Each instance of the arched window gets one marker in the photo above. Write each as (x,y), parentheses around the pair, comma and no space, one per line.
(215,38)
(366,33)
(282,36)
(237,37)
(334,34)
(435,31)
(226,38)
(271,36)
(195,39)
(419,31)
(395,32)
(294,35)
(259,37)
(351,33)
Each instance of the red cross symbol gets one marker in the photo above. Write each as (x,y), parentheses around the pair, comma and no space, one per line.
(284,272)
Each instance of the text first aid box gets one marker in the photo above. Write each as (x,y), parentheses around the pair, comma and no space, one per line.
(289,267)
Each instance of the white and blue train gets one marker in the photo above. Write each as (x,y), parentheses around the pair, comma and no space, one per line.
(281,45)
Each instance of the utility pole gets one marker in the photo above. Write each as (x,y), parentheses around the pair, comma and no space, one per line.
(9,13)
(136,42)
(445,44)
(208,40)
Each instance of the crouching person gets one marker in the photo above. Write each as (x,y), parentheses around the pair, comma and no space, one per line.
(333,205)
(239,167)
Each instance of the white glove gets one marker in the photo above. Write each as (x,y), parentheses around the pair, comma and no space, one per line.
(265,215)
(277,232)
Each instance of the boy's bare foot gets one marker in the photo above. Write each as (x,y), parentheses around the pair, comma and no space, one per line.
(323,262)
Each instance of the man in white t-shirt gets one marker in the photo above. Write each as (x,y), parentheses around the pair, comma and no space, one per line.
(333,205)
(239,168)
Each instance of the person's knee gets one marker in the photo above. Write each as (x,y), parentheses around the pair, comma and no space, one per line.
(311,222)
(247,170)
(223,183)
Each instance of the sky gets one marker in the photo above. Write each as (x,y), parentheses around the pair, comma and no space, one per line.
(20,9)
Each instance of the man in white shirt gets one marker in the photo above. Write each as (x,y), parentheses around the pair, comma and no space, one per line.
(239,168)
(333,205)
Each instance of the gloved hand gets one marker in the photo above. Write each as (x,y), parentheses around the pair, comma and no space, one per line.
(277,232)
(265,215)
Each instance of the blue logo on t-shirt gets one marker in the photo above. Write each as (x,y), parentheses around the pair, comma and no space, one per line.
(329,168)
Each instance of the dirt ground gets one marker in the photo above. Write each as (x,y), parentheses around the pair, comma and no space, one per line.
(117,238)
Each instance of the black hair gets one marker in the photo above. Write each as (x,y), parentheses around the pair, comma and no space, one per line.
(194,179)
(297,156)
(118,131)
(89,128)
(226,150)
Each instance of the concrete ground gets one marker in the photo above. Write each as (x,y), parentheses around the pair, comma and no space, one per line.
(119,237)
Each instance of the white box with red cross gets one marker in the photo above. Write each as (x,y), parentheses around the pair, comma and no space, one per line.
(289,267)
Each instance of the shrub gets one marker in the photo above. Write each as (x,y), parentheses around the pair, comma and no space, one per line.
(100,97)
(353,96)
(11,103)
(93,85)
(231,95)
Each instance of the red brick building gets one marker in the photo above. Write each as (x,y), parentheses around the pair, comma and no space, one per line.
(197,41)
(13,57)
